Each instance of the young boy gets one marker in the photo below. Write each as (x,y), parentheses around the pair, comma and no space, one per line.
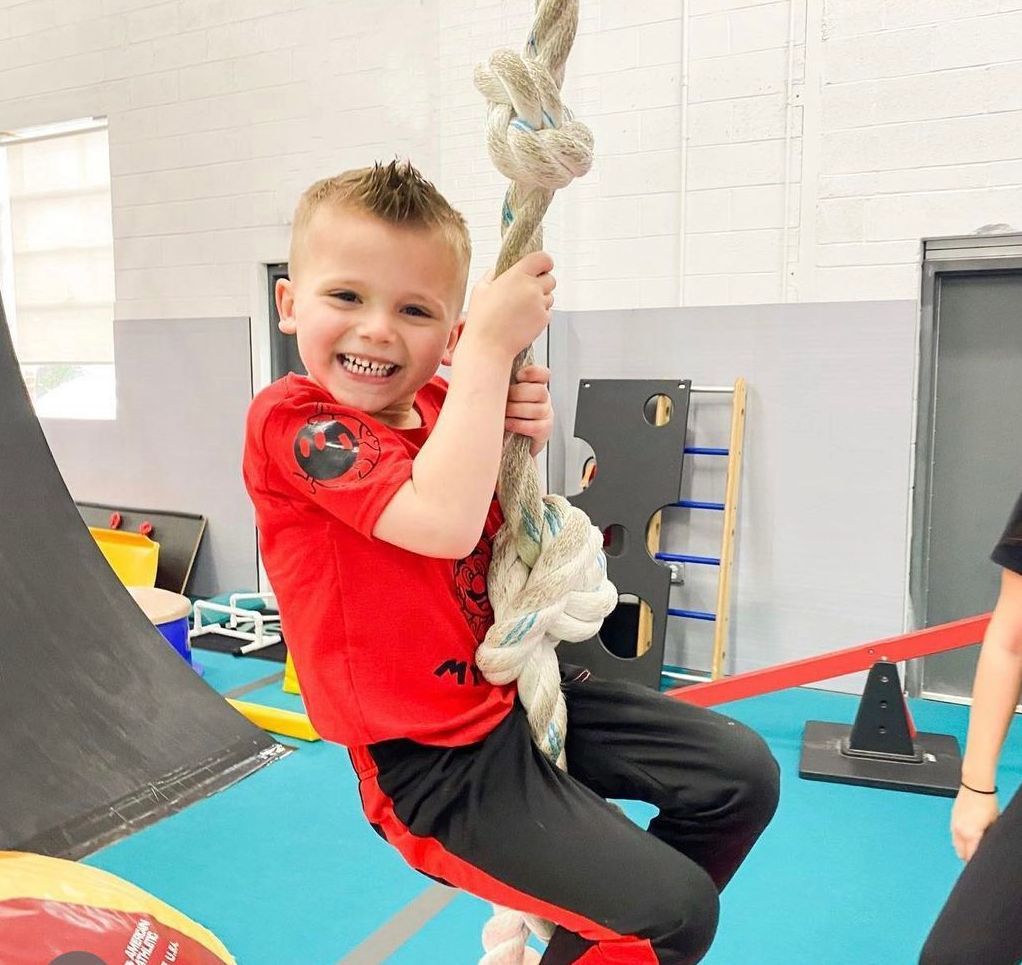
(373,483)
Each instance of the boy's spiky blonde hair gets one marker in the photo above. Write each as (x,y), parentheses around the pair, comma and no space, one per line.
(395,192)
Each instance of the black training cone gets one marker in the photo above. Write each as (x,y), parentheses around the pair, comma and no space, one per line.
(883,748)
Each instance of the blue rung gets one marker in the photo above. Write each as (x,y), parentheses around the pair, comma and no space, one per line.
(696,504)
(684,558)
(705,451)
(693,614)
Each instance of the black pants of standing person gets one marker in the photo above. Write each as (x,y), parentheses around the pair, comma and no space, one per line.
(981,923)
(498,820)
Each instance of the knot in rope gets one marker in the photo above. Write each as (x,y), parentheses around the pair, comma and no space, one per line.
(564,595)
(532,137)
(504,938)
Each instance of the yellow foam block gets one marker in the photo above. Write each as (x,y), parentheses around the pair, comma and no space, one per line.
(278,721)
(132,556)
(290,677)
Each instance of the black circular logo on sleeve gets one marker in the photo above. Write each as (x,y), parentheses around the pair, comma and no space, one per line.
(328,447)
(326,450)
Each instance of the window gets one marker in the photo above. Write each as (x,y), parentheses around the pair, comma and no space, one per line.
(56,265)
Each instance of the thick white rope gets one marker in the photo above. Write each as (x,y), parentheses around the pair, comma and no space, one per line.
(548,576)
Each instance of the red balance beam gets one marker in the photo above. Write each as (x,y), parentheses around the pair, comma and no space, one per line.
(920,643)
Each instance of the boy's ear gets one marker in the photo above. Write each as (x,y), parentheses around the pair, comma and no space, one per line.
(452,340)
(283,293)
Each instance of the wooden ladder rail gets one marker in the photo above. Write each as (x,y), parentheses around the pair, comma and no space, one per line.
(727,540)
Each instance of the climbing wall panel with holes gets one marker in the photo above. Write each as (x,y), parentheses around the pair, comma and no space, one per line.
(636,429)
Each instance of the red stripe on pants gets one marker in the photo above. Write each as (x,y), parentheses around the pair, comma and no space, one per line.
(431,857)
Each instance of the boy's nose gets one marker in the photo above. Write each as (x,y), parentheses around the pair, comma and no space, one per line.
(377,327)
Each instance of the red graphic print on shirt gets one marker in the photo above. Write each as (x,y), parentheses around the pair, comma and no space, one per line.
(470,582)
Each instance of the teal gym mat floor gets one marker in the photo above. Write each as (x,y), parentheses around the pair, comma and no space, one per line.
(284,869)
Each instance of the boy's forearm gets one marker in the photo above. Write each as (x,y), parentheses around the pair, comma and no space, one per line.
(456,470)
(994,698)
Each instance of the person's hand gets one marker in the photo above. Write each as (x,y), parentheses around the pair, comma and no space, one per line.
(529,410)
(508,313)
(971,815)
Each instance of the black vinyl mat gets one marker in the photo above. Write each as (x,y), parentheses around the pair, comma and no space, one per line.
(105,727)
(221,643)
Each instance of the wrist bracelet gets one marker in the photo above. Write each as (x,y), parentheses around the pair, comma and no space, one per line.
(976,790)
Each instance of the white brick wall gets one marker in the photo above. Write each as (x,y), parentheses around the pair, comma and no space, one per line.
(815,141)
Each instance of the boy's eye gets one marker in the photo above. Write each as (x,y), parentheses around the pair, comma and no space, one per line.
(418,311)
(346,296)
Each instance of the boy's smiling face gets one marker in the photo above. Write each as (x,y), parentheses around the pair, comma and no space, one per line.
(375,307)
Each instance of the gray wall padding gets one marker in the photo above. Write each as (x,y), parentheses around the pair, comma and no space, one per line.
(183,389)
(824,511)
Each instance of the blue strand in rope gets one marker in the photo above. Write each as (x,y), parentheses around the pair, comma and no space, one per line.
(553,519)
(554,739)
(529,525)
(518,631)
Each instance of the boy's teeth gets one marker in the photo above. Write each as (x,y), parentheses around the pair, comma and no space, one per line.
(366,367)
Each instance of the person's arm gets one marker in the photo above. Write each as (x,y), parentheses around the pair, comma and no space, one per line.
(441,510)
(994,698)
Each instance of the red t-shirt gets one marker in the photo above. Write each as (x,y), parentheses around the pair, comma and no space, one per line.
(383,639)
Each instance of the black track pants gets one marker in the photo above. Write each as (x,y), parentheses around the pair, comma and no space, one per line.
(981,923)
(498,820)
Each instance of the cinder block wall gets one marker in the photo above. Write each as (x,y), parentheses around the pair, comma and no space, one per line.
(748,152)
